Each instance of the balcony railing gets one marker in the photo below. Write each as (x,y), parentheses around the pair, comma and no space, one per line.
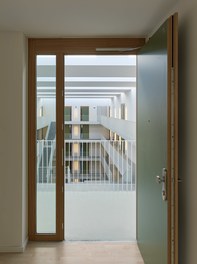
(89,162)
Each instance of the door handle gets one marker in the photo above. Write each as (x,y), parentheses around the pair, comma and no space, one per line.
(159,179)
(163,180)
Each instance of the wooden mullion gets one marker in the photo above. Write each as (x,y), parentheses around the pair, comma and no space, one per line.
(32,141)
(60,146)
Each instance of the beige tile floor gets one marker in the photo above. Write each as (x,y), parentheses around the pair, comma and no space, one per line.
(75,253)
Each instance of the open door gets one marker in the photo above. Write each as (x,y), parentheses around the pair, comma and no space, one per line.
(157,146)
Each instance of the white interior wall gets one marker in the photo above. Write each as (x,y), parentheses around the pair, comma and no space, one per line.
(91,102)
(49,112)
(13,142)
(49,108)
(115,107)
(130,102)
(124,128)
(97,132)
(129,99)
(39,105)
(93,113)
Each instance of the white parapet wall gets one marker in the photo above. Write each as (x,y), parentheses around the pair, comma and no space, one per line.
(89,215)
(124,128)
(100,216)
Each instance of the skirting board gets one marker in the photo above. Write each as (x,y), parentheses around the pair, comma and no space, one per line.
(14,249)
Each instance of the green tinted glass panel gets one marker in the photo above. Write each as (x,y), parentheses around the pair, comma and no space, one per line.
(152,148)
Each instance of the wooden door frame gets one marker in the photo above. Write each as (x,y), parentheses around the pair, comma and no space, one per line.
(60,48)
(173,139)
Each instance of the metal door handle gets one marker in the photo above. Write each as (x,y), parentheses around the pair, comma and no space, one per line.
(159,179)
(163,180)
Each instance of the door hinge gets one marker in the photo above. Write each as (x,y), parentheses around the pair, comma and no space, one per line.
(62,157)
(172,75)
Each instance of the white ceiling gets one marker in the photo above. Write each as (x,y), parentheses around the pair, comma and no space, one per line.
(83,18)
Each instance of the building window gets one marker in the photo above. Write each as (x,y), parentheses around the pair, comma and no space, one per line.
(84,131)
(67,132)
(84,113)
(123,111)
(68,150)
(67,113)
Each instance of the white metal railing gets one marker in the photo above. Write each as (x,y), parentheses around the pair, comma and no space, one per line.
(46,160)
(90,162)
